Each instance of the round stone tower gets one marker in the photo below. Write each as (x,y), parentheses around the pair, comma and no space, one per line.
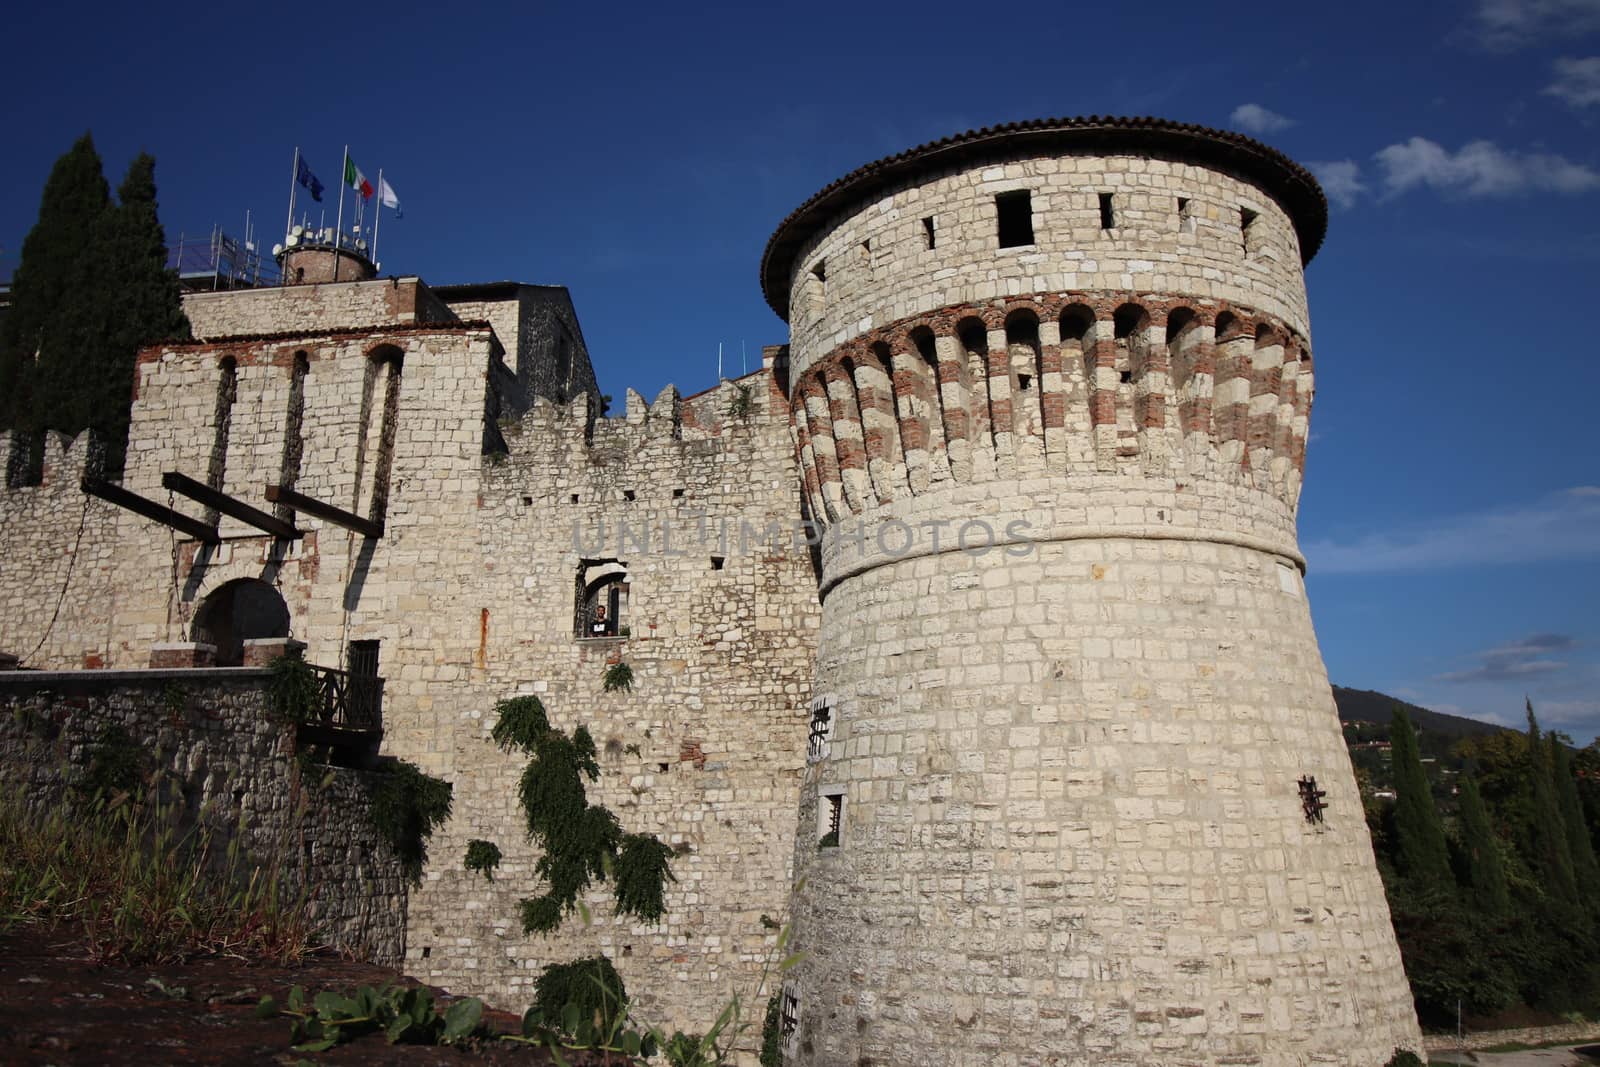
(1078,793)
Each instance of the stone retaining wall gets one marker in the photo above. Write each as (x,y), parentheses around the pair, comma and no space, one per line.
(222,757)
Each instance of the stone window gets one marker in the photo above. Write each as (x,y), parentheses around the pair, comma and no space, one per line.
(1108,214)
(1248,236)
(817,286)
(830,816)
(928,236)
(866,253)
(1185,215)
(819,738)
(602,599)
(1014,218)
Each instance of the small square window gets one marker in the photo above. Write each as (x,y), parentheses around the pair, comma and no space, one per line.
(628,495)
(1014,217)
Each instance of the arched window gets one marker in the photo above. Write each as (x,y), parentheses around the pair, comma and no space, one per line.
(243,610)
(602,599)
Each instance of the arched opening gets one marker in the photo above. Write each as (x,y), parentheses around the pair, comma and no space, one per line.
(1131,348)
(602,599)
(1026,363)
(974,338)
(243,610)
(1231,391)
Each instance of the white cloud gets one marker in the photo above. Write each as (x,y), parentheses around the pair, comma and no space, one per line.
(1561,526)
(1341,180)
(1507,24)
(1480,168)
(1257,119)
(1516,661)
(1577,81)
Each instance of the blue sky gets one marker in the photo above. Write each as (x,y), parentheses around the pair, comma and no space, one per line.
(642,154)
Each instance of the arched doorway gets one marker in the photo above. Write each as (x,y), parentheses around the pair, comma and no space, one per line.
(237,612)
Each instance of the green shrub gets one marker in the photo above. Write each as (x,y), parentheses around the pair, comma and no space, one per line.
(483,856)
(519,723)
(405,1015)
(406,806)
(591,983)
(296,690)
(772,1033)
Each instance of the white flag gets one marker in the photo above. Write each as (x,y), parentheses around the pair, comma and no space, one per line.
(386,195)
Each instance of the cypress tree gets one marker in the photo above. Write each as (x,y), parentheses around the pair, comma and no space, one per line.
(39,366)
(1420,851)
(1585,870)
(1486,876)
(1547,835)
(141,304)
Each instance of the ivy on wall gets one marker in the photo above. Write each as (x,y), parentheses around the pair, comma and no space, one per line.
(580,842)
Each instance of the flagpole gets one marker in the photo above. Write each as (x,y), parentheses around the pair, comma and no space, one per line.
(377,217)
(294,179)
(338,227)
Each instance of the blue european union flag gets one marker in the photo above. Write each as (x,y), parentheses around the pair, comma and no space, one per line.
(309,180)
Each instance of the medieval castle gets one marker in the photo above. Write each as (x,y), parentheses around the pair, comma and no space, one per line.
(1032,713)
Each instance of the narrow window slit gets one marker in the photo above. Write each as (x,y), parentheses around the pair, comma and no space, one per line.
(1108,218)
(928,238)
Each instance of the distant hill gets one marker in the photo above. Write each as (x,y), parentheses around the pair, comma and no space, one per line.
(1366,705)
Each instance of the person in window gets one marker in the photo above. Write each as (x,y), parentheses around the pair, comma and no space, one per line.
(599,627)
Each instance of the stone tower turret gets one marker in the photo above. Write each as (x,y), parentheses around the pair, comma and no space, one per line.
(1078,791)
(313,257)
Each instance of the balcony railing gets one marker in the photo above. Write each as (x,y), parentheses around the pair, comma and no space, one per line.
(348,701)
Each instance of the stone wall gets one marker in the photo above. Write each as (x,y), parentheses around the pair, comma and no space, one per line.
(704,752)
(544,344)
(209,735)
(310,308)
(62,551)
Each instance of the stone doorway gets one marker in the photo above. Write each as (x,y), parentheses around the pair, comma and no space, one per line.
(237,612)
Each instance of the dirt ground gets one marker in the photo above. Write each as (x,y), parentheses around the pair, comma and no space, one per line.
(1566,1056)
(57,1007)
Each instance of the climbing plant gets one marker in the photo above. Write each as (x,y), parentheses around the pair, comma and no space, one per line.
(619,676)
(295,689)
(406,807)
(580,842)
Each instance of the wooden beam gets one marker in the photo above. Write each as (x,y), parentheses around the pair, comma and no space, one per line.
(230,506)
(115,494)
(279,494)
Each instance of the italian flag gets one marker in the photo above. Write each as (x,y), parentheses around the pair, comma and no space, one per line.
(356,180)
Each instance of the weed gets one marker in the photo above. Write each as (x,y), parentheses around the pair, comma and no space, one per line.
(404,1016)
(140,888)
